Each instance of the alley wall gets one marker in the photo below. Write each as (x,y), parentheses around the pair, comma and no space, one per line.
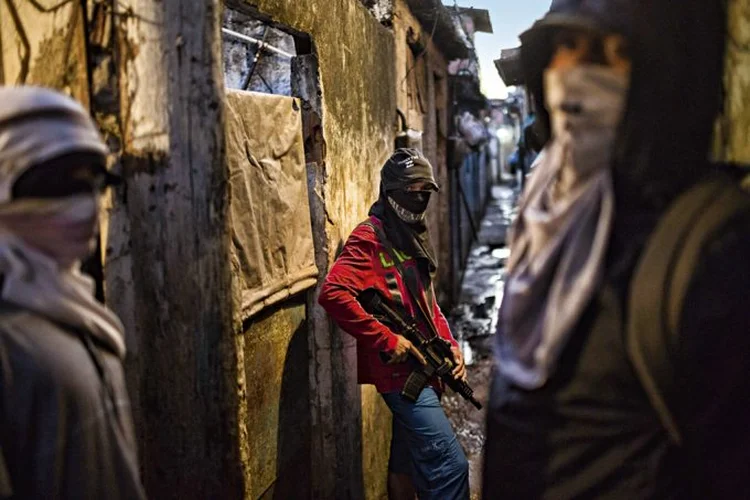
(267,406)
(150,72)
(733,139)
(421,72)
(225,406)
(346,429)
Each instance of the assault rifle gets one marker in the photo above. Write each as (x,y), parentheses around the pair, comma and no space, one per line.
(436,350)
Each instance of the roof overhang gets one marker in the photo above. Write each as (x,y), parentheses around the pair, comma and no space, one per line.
(481,18)
(509,66)
(467,92)
(432,14)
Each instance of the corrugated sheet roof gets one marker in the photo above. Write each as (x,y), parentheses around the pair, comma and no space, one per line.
(433,14)
(509,66)
(481,17)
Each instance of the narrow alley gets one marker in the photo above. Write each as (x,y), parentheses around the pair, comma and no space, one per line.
(473,322)
(291,224)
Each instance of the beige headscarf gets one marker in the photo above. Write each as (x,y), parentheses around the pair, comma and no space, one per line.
(37,125)
(559,241)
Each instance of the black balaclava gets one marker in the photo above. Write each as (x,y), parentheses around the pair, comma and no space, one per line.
(403,212)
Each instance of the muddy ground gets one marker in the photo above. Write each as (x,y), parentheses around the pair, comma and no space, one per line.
(473,322)
(468,422)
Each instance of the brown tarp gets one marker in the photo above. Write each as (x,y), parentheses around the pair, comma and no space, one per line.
(273,251)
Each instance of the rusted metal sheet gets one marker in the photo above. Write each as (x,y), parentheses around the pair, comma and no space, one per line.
(437,18)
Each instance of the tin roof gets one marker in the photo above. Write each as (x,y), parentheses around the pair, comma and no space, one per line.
(481,18)
(433,15)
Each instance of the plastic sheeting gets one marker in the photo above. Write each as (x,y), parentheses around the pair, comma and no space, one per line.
(273,252)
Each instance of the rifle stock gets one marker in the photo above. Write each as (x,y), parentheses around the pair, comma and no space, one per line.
(437,351)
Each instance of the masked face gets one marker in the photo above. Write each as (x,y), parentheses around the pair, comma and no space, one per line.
(586,105)
(573,47)
(586,86)
(55,208)
(64,229)
(410,204)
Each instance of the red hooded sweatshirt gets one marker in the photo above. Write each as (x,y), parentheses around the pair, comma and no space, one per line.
(365,263)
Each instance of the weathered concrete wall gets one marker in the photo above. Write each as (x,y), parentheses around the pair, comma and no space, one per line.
(733,142)
(349,425)
(275,417)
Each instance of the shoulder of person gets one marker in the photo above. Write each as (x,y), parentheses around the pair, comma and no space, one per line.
(724,253)
(13,316)
(734,233)
(365,230)
(25,327)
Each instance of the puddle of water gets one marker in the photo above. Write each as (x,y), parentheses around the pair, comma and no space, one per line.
(501,253)
(468,352)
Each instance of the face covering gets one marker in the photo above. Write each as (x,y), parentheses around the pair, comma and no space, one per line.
(410,206)
(64,229)
(41,244)
(42,239)
(559,240)
(585,104)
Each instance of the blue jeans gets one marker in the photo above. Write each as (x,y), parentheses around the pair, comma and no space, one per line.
(425,447)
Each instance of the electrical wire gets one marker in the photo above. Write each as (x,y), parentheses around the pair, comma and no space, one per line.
(436,14)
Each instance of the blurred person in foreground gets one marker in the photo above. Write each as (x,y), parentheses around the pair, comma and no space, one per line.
(623,346)
(65,423)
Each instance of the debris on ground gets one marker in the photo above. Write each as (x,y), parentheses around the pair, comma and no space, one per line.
(473,322)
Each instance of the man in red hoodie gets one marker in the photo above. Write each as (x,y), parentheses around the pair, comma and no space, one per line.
(425,455)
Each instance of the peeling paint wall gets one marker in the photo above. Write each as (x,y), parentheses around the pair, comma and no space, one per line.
(733,134)
(381,9)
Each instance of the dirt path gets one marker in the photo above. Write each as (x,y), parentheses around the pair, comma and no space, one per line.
(473,323)
(469,422)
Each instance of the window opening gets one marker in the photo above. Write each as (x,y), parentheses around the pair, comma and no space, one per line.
(257,56)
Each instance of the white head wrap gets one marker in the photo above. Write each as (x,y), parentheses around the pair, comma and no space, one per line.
(38,125)
(559,241)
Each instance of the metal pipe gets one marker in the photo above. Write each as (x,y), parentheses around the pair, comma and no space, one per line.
(261,44)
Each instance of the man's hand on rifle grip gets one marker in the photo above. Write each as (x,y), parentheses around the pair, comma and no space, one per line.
(403,349)
(459,372)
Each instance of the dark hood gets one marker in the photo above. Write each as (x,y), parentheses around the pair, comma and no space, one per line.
(404,167)
(676,89)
